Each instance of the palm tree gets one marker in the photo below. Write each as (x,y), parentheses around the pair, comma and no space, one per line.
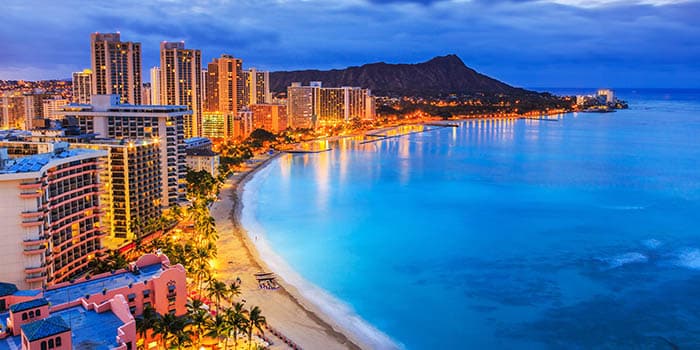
(199,317)
(200,271)
(217,328)
(170,327)
(149,317)
(234,289)
(217,290)
(255,321)
(236,316)
(182,339)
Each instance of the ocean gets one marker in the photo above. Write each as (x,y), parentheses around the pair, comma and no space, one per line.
(578,233)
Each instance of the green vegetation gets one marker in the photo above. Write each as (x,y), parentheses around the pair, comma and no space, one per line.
(196,250)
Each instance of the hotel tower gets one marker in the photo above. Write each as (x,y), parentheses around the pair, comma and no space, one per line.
(181,82)
(116,67)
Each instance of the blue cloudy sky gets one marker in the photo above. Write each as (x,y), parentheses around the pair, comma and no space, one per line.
(531,43)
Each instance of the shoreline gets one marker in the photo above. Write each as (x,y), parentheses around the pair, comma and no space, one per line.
(286,309)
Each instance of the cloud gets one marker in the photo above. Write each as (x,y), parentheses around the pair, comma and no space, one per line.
(525,42)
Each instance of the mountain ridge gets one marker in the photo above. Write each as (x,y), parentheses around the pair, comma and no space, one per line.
(441,75)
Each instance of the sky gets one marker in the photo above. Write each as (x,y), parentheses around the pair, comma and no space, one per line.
(528,43)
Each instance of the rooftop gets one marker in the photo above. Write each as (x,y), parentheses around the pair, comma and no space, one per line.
(7,289)
(45,328)
(92,330)
(35,162)
(70,292)
(26,305)
(200,152)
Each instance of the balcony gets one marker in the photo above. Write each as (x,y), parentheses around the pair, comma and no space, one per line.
(30,185)
(32,214)
(35,278)
(34,242)
(30,195)
(35,251)
(35,270)
(33,222)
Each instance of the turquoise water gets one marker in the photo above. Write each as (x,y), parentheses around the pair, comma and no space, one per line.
(577,233)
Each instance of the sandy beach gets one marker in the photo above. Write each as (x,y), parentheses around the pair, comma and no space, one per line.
(285,309)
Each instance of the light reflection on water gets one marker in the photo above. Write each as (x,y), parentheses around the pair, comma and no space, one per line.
(518,234)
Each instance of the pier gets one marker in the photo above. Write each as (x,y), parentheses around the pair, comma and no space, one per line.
(546,119)
(444,125)
(302,151)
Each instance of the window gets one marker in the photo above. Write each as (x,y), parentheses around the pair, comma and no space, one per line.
(24,316)
(43,345)
(51,346)
(131,297)
(31,314)
(58,341)
(146,293)
(38,313)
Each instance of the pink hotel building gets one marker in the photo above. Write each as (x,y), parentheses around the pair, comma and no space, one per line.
(96,312)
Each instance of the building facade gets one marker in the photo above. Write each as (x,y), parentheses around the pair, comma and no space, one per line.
(314,105)
(217,125)
(203,159)
(51,212)
(82,86)
(181,82)
(116,67)
(257,86)
(51,107)
(92,312)
(225,86)
(155,86)
(271,117)
(301,102)
(165,124)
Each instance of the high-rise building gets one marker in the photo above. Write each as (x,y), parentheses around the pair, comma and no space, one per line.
(116,67)
(301,102)
(225,85)
(181,82)
(132,188)
(131,179)
(108,118)
(82,86)
(217,125)
(21,110)
(52,106)
(146,94)
(257,86)
(50,212)
(13,111)
(341,105)
(205,73)
(243,124)
(155,86)
(314,105)
(271,117)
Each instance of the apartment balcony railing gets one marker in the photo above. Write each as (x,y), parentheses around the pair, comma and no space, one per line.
(35,278)
(30,185)
(30,195)
(34,242)
(35,250)
(32,214)
(35,270)
(35,222)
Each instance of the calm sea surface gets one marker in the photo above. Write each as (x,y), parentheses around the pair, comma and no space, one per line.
(577,233)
